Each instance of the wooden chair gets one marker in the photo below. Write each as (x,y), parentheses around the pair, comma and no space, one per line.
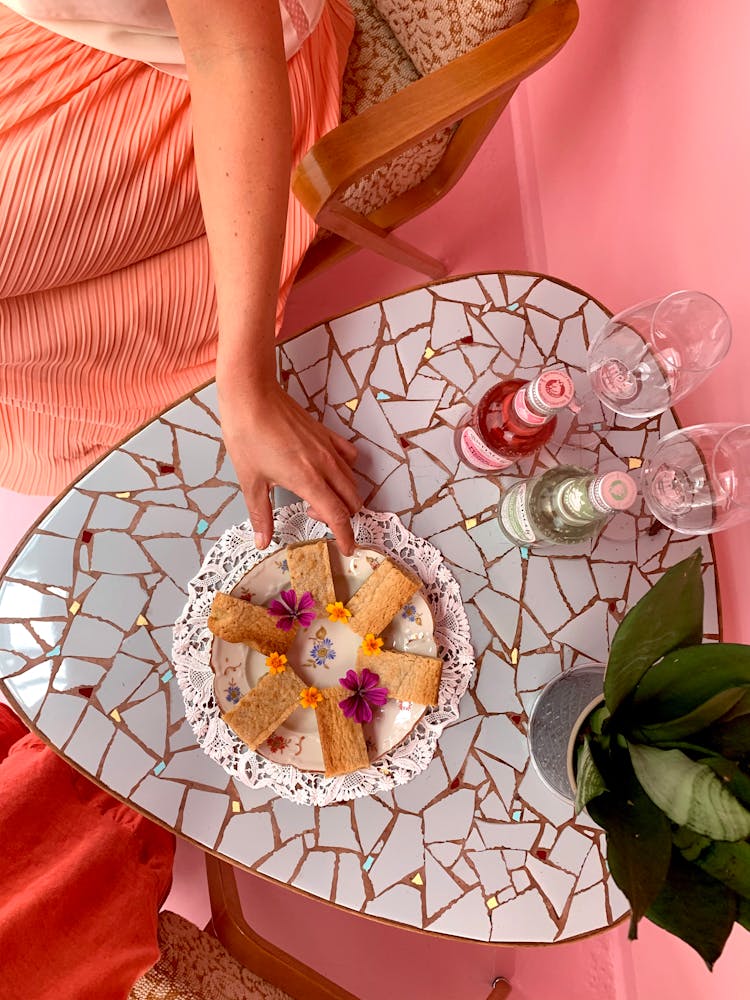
(469,93)
(229,959)
(254,952)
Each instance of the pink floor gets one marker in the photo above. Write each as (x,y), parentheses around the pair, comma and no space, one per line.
(622,168)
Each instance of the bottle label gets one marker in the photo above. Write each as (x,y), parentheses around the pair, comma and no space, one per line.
(514,516)
(616,381)
(523,411)
(477,452)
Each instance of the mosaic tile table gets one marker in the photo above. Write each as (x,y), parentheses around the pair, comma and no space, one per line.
(476,846)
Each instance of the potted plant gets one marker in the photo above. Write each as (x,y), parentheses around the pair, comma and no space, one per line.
(663,765)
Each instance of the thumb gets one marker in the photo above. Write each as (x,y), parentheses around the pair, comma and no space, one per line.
(261,516)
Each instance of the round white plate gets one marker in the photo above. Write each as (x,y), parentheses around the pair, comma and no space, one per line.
(321,655)
(402,744)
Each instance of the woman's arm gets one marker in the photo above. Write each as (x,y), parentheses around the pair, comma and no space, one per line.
(234,52)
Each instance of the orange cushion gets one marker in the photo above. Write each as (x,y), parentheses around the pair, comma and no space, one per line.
(82,876)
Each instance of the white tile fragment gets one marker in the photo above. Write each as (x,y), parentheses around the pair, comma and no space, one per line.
(524,918)
(402,853)
(587,912)
(451,818)
(570,851)
(468,918)
(247,837)
(316,874)
(203,815)
(440,888)
(282,864)
(335,828)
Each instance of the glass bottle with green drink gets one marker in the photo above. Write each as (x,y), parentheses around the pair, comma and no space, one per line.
(564,505)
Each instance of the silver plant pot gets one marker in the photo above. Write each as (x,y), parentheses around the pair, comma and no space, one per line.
(555,718)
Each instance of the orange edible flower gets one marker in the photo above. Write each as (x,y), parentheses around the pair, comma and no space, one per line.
(337,612)
(276,663)
(371,645)
(310,698)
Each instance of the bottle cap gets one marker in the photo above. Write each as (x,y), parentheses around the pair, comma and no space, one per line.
(613,491)
(550,391)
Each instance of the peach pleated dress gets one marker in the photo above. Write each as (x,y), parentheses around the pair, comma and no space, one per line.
(107,312)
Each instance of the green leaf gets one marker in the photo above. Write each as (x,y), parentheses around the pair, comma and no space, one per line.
(692,722)
(696,908)
(733,777)
(639,842)
(730,739)
(741,708)
(689,677)
(589,781)
(743,913)
(668,616)
(689,843)
(689,793)
(597,719)
(728,863)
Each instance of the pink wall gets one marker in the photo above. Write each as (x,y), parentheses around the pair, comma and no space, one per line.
(636,159)
(639,156)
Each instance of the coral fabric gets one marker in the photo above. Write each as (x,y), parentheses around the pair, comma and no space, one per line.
(82,879)
(107,310)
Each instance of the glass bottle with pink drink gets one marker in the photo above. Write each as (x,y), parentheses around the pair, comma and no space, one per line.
(513,419)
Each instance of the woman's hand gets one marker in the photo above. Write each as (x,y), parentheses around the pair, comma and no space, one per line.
(273,441)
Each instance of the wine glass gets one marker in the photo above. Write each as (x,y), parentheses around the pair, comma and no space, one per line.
(647,357)
(697,480)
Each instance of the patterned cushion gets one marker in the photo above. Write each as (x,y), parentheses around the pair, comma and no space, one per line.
(435,32)
(195,966)
(377,68)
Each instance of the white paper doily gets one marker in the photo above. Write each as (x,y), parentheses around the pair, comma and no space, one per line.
(225,565)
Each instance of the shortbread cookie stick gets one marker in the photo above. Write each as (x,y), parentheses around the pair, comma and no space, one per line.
(341,739)
(310,569)
(239,621)
(262,710)
(407,676)
(380,597)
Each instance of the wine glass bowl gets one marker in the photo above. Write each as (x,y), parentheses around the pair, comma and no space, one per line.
(697,479)
(647,357)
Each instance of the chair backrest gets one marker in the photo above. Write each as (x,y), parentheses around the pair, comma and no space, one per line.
(395,43)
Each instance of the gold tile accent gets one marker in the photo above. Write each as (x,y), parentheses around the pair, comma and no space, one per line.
(75,607)
(114,714)
(635,463)
(470,523)
(417,880)
(122,496)
(429,353)
(140,620)
(492,903)
(352,404)
(514,655)
(236,806)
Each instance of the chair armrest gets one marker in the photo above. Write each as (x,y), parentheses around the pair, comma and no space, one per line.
(359,145)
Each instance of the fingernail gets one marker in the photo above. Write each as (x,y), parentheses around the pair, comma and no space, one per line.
(260,542)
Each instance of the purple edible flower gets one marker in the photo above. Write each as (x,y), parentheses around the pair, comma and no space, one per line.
(288,610)
(366,694)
